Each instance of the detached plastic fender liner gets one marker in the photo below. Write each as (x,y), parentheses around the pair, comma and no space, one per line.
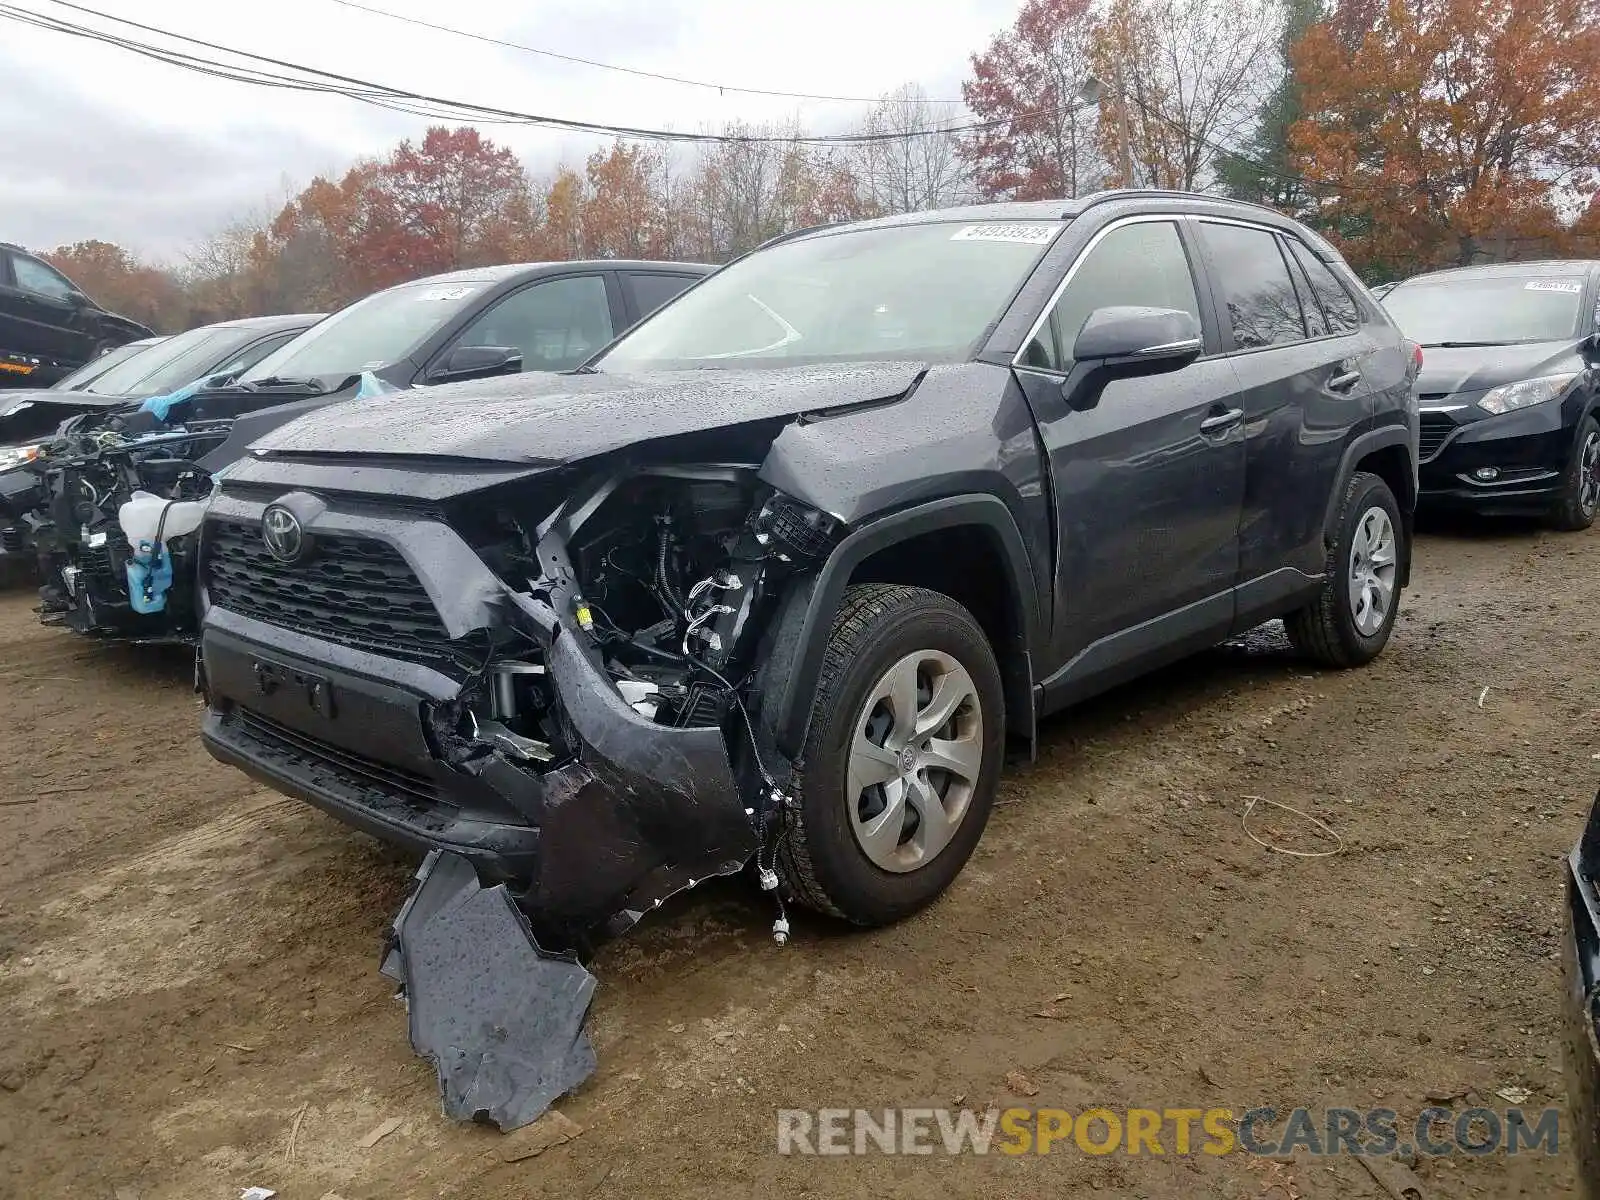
(989,514)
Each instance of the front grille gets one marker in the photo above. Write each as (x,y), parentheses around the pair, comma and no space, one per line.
(352,590)
(1436,427)
(13,539)
(354,771)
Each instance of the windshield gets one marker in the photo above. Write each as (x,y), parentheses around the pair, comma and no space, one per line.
(94,368)
(1490,309)
(178,360)
(369,334)
(924,292)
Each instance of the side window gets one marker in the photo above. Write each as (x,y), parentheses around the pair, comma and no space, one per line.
(1141,264)
(251,355)
(1316,322)
(35,276)
(556,324)
(1261,301)
(1343,315)
(650,292)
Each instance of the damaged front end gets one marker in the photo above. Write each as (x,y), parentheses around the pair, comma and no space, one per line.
(115,529)
(558,691)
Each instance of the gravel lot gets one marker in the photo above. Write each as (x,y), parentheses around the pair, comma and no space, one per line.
(191,1002)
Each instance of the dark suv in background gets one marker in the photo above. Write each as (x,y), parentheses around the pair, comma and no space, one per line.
(776,575)
(1510,387)
(48,327)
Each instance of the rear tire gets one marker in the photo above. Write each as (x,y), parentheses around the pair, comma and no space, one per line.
(880,828)
(1580,488)
(1349,623)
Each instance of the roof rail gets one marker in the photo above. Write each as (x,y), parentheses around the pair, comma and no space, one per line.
(1112,194)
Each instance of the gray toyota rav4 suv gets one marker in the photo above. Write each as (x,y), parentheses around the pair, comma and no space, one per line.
(772,578)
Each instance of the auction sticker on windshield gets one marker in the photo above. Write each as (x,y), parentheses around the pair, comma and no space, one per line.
(447,293)
(1570,286)
(1033,234)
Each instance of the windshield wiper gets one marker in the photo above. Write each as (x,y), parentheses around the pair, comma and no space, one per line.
(1461,345)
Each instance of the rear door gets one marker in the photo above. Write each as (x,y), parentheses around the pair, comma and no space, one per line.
(1299,365)
(649,290)
(1147,483)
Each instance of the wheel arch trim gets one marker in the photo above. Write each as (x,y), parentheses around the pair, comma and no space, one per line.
(986,513)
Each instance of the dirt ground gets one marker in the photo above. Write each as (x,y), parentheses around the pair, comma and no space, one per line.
(190,1000)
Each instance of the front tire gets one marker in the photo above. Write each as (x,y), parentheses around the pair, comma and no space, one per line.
(1349,623)
(901,760)
(1580,489)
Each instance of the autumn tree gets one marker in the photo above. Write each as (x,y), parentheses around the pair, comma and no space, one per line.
(1181,82)
(1440,123)
(442,203)
(912,161)
(624,214)
(1036,137)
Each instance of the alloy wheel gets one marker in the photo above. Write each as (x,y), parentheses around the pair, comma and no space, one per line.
(914,760)
(1589,475)
(1373,570)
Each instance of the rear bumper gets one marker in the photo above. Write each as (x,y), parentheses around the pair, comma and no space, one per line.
(1581,1004)
(1528,449)
(590,842)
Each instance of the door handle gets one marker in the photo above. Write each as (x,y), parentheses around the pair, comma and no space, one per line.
(1344,382)
(1218,422)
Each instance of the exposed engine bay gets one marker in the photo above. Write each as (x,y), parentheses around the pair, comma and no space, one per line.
(119,522)
(671,573)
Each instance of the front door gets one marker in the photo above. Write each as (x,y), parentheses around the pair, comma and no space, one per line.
(1147,482)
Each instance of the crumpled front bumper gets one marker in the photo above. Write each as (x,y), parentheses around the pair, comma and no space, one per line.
(589,843)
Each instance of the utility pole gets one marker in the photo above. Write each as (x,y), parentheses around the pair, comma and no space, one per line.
(1127,136)
(1092,92)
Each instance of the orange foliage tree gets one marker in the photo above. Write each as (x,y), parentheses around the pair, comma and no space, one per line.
(1035,136)
(1432,125)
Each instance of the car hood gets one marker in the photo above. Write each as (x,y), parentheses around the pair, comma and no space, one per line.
(550,419)
(1448,369)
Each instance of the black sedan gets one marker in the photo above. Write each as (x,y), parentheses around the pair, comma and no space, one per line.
(1510,387)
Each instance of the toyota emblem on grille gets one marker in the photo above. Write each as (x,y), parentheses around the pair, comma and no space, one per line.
(280,530)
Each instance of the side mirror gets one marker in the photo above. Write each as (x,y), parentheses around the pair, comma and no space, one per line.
(476,362)
(1123,341)
(78,300)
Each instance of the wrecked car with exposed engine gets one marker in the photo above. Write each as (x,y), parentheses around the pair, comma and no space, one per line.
(123,494)
(59,421)
(771,580)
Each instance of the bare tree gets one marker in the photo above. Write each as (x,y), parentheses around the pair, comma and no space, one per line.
(918,166)
(1185,80)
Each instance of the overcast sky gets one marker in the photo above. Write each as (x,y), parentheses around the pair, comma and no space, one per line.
(102,143)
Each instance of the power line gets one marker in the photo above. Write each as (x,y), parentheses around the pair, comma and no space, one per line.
(589,62)
(386,96)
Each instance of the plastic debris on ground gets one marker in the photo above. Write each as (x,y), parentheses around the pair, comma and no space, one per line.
(501,1019)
